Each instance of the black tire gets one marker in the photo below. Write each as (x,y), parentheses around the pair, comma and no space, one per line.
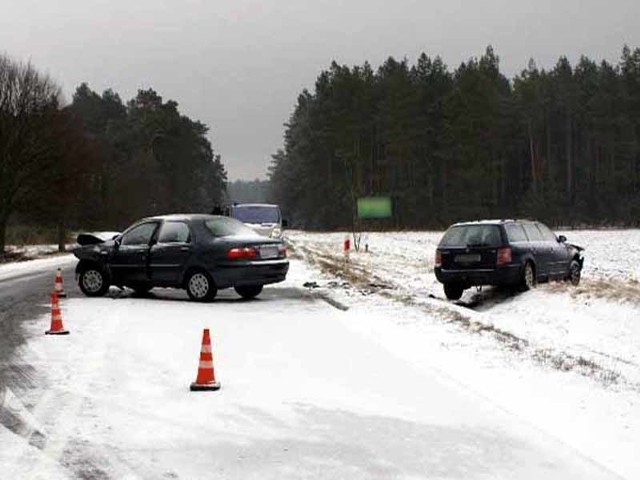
(200,286)
(453,291)
(93,282)
(249,291)
(575,272)
(528,279)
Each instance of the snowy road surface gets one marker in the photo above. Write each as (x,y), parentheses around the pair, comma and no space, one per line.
(308,391)
(23,286)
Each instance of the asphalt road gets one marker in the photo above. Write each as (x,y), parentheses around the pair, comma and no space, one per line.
(23,297)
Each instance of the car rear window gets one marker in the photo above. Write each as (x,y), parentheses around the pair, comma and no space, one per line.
(256,213)
(225,227)
(515,232)
(472,235)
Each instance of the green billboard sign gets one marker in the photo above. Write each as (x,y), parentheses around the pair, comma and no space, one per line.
(374,207)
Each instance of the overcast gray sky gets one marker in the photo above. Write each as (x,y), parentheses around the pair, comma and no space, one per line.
(238,65)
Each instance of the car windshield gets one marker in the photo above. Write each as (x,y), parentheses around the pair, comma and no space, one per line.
(472,236)
(226,227)
(256,213)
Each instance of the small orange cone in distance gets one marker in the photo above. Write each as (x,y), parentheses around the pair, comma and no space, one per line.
(206,377)
(58,284)
(56,317)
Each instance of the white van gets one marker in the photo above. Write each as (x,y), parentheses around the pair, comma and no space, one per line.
(264,218)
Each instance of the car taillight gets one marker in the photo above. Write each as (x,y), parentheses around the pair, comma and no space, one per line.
(282,251)
(438,258)
(504,256)
(245,253)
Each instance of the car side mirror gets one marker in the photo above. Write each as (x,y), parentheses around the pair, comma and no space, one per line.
(562,239)
(285,223)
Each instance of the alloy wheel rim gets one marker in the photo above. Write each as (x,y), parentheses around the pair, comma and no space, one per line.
(199,285)
(528,275)
(92,281)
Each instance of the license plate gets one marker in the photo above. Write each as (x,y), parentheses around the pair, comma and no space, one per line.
(269,251)
(467,258)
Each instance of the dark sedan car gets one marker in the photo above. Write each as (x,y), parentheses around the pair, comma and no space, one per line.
(504,252)
(199,253)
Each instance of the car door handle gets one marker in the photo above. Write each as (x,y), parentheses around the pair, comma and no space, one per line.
(184,249)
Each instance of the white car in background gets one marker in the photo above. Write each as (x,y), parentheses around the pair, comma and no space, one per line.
(264,218)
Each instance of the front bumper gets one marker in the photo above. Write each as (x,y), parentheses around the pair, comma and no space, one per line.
(507,275)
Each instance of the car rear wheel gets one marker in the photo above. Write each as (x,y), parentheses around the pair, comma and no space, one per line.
(200,286)
(575,272)
(93,282)
(528,277)
(453,291)
(249,291)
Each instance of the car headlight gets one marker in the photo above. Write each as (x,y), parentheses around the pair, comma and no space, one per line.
(276,232)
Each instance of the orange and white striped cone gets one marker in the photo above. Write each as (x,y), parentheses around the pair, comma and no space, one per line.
(206,379)
(57,287)
(56,317)
(346,247)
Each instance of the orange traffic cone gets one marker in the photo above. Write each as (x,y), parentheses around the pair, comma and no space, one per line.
(58,285)
(206,377)
(56,317)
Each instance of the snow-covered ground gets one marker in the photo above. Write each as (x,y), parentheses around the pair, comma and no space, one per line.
(395,382)
(596,322)
(46,265)
(567,359)
(31,251)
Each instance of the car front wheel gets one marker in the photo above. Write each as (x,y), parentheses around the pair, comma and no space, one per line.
(575,272)
(249,292)
(453,291)
(200,286)
(93,282)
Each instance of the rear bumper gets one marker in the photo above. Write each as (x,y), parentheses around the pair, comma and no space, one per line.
(507,275)
(250,273)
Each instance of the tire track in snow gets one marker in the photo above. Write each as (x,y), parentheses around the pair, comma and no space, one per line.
(57,411)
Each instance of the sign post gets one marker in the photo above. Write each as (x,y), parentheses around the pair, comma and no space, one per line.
(372,208)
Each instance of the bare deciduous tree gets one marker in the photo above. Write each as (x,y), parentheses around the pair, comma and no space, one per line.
(29,101)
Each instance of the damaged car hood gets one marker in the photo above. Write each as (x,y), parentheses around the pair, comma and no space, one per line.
(94,238)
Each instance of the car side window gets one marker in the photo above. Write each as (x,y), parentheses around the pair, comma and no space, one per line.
(547,234)
(174,232)
(515,233)
(140,235)
(532,232)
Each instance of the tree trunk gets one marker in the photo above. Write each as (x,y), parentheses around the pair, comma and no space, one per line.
(534,175)
(3,232)
(569,149)
(62,237)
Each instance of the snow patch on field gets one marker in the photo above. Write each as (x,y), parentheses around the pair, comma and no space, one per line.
(565,359)
(593,326)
